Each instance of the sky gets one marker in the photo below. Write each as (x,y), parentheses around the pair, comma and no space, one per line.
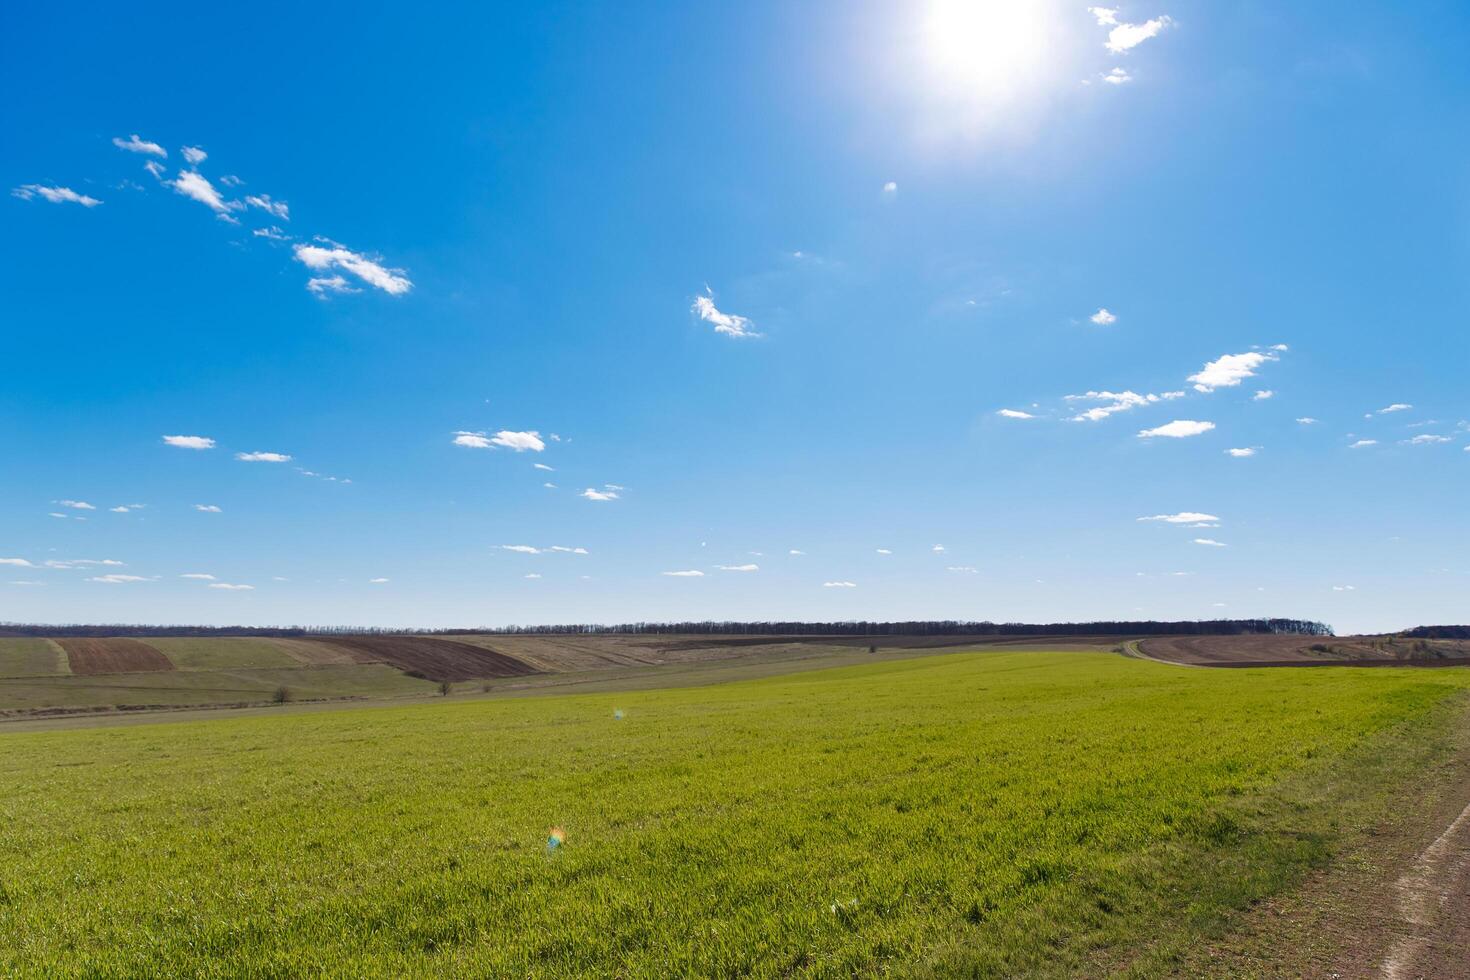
(495,314)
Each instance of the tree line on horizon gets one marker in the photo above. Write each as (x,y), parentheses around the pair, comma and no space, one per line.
(927,627)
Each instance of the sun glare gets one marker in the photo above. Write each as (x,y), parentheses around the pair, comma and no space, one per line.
(987,50)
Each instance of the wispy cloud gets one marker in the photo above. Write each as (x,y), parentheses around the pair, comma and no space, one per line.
(56,195)
(194,156)
(965,569)
(593,494)
(738,568)
(1177,429)
(116,579)
(189,442)
(231,587)
(1103,317)
(795,551)
(1390,409)
(506,439)
(200,576)
(260,457)
(1011,413)
(17,562)
(1124,36)
(1116,76)
(687,573)
(729,324)
(524,549)
(377,581)
(1262,395)
(208,508)
(839,585)
(369,270)
(1363,444)
(197,187)
(84,563)
(1113,402)
(126,508)
(543,466)
(938,549)
(1184,517)
(1243,452)
(1426,439)
(1211,542)
(568,551)
(884,551)
(1306,420)
(136,144)
(279,209)
(74,504)
(323,286)
(1229,370)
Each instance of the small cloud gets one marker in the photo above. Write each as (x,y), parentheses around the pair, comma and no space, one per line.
(1011,413)
(194,155)
(377,581)
(518,441)
(532,575)
(890,189)
(277,235)
(549,486)
(231,587)
(21,581)
(263,201)
(613,486)
(196,187)
(208,508)
(1211,542)
(56,195)
(543,466)
(1229,370)
(136,144)
(1184,517)
(968,569)
(1116,401)
(1118,76)
(738,568)
(689,573)
(568,551)
(1344,588)
(366,268)
(116,579)
(1426,439)
(1262,395)
(201,576)
(74,504)
(1395,407)
(1306,420)
(729,324)
(1363,444)
(938,549)
(524,549)
(1103,317)
(17,562)
(1177,429)
(1124,37)
(839,585)
(323,286)
(1243,453)
(592,494)
(259,457)
(794,551)
(189,442)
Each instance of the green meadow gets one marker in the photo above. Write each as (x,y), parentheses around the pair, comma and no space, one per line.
(967,814)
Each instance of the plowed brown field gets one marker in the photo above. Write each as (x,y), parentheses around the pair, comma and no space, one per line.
(112,655)
(1305,651)
(437,660)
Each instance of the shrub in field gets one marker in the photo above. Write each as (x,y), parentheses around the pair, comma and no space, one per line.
(445,689)
(282,695)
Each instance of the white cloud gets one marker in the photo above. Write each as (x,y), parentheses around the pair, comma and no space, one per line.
(85,563)
(543,466)
(1306,420)
(194,155)
(56,195)
(738,568)
(1426,439)
(518,441)
(201,576)
(1344,588)
(259,457)
(1395,407)
(136,144)
(730,324)
(377,581)
(1229,370)
(839,585)
(1124,36)
(533,575)
(126,508)
(208,508)
(1116,401)
(1011,413)
(21,581)
(115,579)
(370,271)
(968,569)
(890,188)
(1363,443)
(938,549)
(794,551)
(549,486)
(263,201)
(1103,317)
(156,169)
(1117,76)
(690,573)
(277,235)
(74,504)
(1243,453)
(1177,429)
(884,551)
(189,442)
(197,187)
(17,562)
(592,494)
(322,286)
(524,549)
(613,486)
(1262,395)
(1211,542)
(230,587)
(1184,517)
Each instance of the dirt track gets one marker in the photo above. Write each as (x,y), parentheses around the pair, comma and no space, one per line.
(112,656)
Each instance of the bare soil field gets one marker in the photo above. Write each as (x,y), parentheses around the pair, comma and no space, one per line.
(1305,651)
(92,655)
(434,659)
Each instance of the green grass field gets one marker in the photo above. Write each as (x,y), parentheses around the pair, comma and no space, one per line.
(27,657)
(983,814)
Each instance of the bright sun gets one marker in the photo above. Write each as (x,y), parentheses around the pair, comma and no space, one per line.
(987,50)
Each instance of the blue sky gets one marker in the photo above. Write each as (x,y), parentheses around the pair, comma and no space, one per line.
(750,280)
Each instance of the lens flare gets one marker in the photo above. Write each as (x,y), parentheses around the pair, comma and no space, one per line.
(555,838)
